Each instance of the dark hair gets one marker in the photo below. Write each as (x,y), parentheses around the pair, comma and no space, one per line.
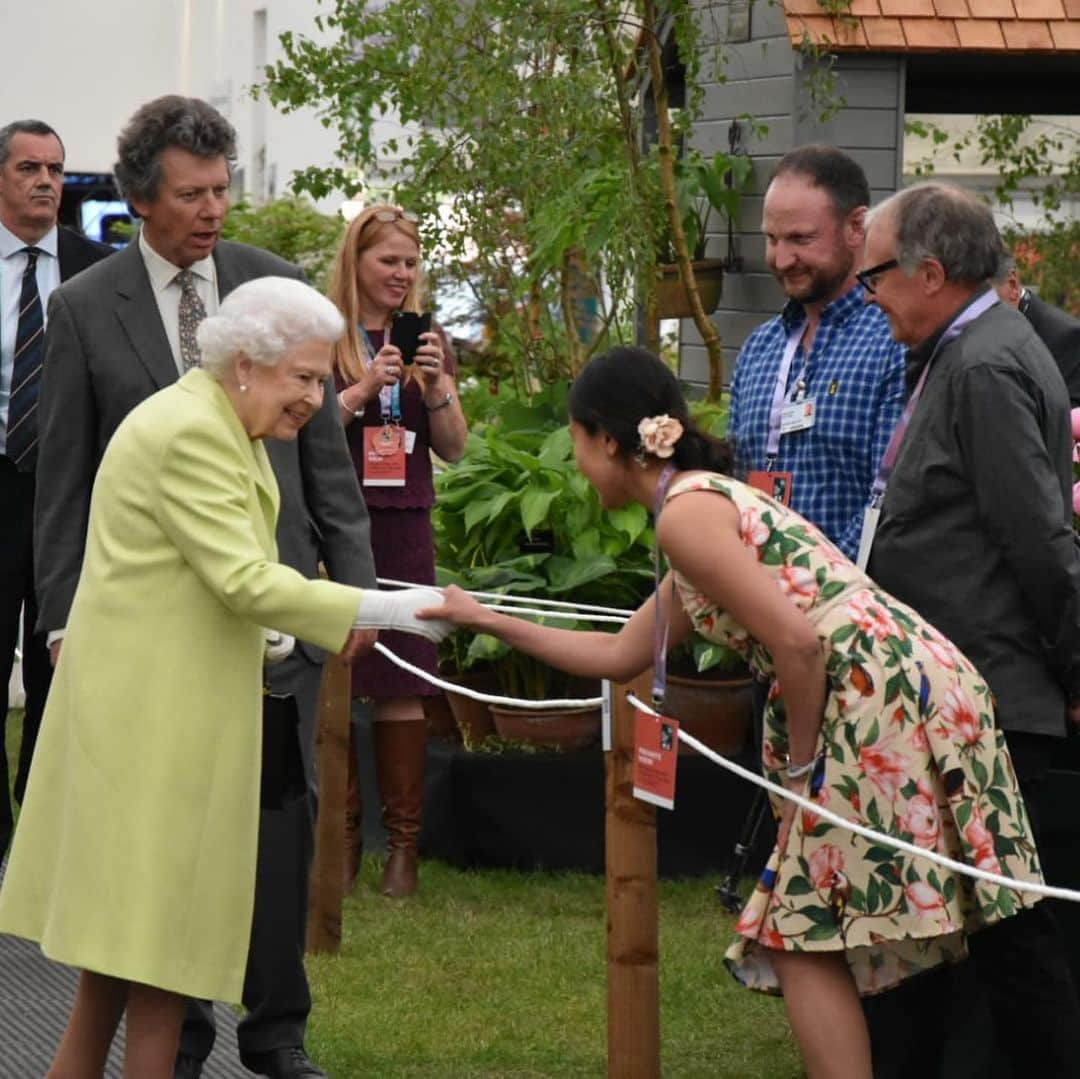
(186,122)
(946,223)
(619,388)
(24,127)
(830,169)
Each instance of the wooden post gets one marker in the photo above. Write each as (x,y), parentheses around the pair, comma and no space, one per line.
(331,756)
(632,907)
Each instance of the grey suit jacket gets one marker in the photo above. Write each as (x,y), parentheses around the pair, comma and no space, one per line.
(106,351)
(976,527)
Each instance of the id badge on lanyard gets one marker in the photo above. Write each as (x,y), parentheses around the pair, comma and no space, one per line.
(788,415)
(384,446)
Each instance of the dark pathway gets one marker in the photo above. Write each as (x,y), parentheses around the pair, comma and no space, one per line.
(35,995)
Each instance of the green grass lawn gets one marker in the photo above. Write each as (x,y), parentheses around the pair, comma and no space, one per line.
(500,975)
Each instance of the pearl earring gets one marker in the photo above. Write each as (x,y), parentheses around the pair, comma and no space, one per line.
(243,387)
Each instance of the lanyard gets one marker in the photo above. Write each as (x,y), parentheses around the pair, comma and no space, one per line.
(892,451)
(772,447)
(662,625)
(389,396)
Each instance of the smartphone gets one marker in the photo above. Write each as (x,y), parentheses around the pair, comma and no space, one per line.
(405,332)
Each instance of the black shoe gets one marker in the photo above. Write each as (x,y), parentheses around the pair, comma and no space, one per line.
(290,1063)
(187,1067)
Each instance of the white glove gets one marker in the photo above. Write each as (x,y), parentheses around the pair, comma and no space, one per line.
(278,646)
(397,610)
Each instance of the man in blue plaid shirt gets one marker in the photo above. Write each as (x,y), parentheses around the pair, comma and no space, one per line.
(843,389)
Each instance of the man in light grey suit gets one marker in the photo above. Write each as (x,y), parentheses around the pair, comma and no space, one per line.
(116,335)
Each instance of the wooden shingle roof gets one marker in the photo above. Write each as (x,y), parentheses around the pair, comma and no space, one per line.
(1014,26)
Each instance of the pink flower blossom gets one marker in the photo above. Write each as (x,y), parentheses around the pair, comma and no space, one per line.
(750,925)
(1076,424)
(961,717)
(753,530)
(826,866)
(798,582)
(923,898)
(659,434)
(918,740)
(1076,498)
(885,766)
(943,652)
(811,820)
(920,817)
(872,618)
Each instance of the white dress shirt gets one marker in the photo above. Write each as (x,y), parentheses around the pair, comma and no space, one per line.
(167,291)
(12,267)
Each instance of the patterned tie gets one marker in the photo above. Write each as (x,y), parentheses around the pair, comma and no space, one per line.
(192,313)
(22,431)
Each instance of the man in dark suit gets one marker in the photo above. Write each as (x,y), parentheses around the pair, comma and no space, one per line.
(1057,329)
(35,256)
(118,335)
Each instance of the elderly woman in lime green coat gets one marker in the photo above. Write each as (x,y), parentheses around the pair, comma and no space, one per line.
(134,857)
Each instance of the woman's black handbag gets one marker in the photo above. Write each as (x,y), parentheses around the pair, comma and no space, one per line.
(283,780)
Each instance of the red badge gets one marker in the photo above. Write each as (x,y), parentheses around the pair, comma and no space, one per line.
(656,752)
(384,456)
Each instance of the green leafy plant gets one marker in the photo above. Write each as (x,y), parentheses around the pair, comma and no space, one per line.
(290,227)
(515,515)
(704,185)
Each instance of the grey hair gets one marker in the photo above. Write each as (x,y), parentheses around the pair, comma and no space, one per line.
(946,223)
(1004,268)
(24,127)
(185,122)
(264,320)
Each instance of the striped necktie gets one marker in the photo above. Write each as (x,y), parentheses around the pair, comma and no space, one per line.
(22,428)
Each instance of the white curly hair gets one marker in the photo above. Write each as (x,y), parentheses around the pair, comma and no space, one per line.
(264,320)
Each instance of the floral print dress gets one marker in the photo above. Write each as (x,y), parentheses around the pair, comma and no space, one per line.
(908,747)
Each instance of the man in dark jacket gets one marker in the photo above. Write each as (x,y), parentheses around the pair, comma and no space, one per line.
(36,255)
(976,534)
(1057,329)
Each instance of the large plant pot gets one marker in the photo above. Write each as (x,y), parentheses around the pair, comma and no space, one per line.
(554,728)
(671,298)
(440,719)
(718,712)
(472,717)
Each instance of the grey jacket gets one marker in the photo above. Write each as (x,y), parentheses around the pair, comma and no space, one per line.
(105,351)
(976,527)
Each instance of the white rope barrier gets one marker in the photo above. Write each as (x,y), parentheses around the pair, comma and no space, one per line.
(489,698)
(502,597)
(859,829)
(564,616)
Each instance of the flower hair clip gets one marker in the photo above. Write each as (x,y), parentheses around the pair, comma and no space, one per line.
(658,435)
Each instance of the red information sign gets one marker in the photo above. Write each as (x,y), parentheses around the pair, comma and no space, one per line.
(656,752)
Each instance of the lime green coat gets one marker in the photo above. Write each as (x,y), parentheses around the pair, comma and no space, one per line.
(135,852)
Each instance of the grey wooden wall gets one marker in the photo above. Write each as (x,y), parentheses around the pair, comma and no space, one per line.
(766,78)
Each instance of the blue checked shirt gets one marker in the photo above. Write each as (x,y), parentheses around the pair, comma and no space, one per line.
(855,375)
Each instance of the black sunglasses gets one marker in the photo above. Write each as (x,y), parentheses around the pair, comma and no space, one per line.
(868,278)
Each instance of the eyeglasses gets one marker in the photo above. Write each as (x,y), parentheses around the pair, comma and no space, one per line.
(868,278)
(387,216)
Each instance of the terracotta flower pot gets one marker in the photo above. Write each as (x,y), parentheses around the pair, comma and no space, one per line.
(717,712)
(472,717)
(556,728)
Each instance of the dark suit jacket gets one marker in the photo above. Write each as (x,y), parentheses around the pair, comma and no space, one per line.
(976,526)
(105,351)
(76,252)
(1060,332)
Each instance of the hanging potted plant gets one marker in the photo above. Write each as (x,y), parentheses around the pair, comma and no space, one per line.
(701,186)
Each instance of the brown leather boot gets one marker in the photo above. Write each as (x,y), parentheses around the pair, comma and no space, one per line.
(354,840)
(400,757)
